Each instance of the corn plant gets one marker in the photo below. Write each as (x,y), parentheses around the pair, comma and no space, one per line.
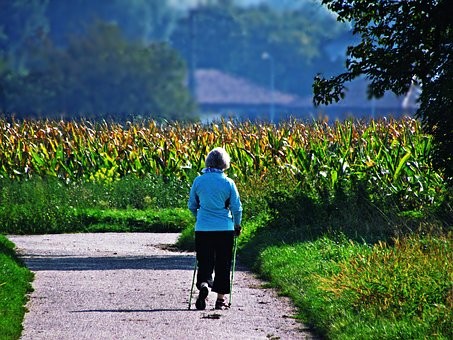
(393,155)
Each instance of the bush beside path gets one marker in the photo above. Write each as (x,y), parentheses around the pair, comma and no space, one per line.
(130,286)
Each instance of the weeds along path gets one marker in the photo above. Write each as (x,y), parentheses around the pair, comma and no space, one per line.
(128,286)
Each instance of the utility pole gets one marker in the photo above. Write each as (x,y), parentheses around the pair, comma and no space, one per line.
(192,53)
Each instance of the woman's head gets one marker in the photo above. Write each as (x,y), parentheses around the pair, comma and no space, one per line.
(218,158)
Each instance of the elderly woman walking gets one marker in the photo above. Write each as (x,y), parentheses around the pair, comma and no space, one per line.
(214,201)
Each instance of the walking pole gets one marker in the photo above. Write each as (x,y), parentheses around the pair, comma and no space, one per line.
(193,281)
(235,247)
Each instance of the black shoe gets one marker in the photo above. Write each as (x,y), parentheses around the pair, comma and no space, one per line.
(200,304)
(221,304)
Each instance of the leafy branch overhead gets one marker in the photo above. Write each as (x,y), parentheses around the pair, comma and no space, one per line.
(402,44)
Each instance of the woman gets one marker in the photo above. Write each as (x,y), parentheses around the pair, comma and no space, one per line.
(215,203)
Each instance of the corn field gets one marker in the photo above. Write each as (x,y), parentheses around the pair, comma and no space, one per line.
(390,153)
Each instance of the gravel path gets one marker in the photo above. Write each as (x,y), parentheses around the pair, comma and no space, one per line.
(128,286)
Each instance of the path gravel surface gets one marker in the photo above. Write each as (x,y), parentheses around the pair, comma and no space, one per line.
(130,286)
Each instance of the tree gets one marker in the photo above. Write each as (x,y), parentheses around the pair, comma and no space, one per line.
(141,20)
(401,43)
(233,39)
(101,75)
(22,24)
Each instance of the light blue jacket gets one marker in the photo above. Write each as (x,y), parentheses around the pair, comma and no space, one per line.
(215,203)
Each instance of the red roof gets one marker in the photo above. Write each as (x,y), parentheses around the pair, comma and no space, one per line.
(215,87)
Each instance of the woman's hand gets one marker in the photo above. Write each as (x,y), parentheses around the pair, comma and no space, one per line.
(237,230)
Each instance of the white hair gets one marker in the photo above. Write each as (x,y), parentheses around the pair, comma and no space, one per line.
(218,158)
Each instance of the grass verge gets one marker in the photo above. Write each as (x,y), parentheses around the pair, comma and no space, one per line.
(344,289)
(14,285)
(157,221)
(48,205)
(350,290)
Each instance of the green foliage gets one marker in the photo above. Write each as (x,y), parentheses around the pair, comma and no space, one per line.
(150,192)
(348,289)
(233,39)
(221,35)
(401,43)
(14,285)
(35,206)
(300,185)
(141,20)
(436,102)
(412,278)
(48,205)
(127,78)
(24,24)
(186,240)
(383,156)
(162,220)
(368,180)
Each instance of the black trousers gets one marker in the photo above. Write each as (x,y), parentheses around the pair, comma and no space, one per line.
(214,252)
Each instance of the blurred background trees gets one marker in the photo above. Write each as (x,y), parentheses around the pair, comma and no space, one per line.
(233,39)
(131,57)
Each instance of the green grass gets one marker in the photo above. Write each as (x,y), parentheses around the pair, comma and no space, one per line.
(163,220)
(14,285)
(350,290)
(18,220)
(40,206)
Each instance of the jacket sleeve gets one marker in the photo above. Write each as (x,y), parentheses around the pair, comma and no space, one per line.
(194,201)
(235,204)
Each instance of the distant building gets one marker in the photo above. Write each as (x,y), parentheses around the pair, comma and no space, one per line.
(357,104)
(221,94)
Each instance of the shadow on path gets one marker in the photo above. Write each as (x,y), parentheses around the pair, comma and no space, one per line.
(71,263)
(132,310)
(76,263)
